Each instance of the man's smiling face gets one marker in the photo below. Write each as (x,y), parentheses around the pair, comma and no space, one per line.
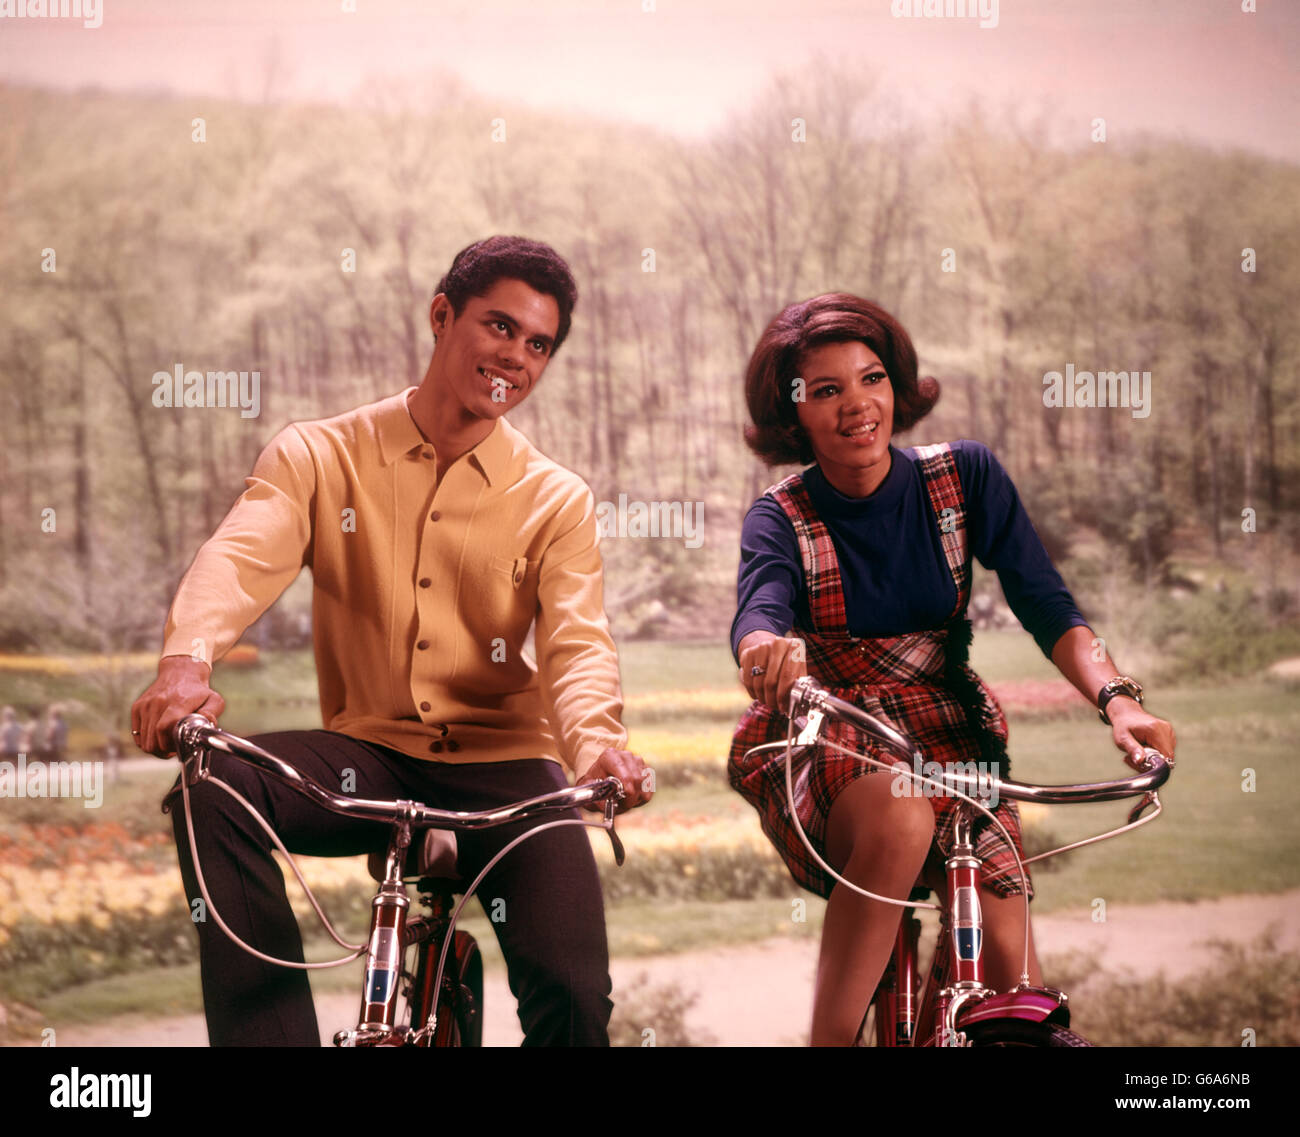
(492,354)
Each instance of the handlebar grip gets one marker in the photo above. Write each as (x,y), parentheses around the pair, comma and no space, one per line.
(192,730)
(1154,758)
(807,694)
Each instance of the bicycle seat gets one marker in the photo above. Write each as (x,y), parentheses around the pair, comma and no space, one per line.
(431,853)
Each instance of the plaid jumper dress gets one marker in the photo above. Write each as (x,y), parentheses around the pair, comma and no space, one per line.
(919,682)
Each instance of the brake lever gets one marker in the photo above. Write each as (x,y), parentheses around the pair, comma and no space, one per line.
(611,808)
(1151,797)
(194,757)
(1152,758)
(807,729)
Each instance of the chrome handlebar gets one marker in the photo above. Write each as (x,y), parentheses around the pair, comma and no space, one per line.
(807,698)
(196,735)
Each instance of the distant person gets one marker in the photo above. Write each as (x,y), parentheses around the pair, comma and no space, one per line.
(112,754)
(54,737)
(11,733)
(29,739)
(857,572)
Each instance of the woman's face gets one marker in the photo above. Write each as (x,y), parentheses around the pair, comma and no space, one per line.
(847,412)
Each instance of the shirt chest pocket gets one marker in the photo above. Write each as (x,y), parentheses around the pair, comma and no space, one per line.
(520,572)
(505,601)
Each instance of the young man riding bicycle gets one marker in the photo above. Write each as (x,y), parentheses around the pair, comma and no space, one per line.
(436,535)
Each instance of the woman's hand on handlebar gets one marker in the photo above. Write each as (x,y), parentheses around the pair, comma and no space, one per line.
(1133,728)
(180,689)
(779,660)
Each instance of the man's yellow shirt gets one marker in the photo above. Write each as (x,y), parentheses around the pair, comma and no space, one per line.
(424,592)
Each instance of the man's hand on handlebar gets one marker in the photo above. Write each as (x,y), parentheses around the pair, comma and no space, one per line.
(628,769)
(180,689)
(779,661)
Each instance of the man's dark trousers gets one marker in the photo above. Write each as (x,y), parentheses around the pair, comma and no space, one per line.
(551,926)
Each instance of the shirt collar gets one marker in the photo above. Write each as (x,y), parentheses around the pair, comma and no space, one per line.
(397,431)
(399,435)
(492,455)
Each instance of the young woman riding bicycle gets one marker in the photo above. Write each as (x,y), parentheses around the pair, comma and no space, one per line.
(857,571)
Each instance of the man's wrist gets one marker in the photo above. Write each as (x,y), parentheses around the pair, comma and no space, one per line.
(184,664)
(590,754)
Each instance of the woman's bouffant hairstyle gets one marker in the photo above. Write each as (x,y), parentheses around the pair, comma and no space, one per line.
(835,317)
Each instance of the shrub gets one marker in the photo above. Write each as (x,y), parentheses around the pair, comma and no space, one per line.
(1250,987)
(648,1014)
(1215,634)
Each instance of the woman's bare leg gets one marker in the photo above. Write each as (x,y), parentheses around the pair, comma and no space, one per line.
(879,842)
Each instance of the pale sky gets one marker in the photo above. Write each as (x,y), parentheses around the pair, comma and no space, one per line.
(1197,69)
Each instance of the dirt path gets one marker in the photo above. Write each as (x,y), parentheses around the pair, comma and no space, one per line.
(760,994)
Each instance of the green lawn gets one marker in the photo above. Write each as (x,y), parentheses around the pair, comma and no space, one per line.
(651,666)
(1215,838)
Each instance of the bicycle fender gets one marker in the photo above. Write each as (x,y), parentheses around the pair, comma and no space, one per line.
(1037,1004)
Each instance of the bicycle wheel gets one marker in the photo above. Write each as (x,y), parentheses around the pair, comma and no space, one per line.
(1021,1032)
(460,1003)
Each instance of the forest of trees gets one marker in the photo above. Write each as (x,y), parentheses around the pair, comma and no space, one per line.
(131,247)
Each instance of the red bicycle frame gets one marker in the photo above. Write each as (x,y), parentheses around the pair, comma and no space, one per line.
(955,995)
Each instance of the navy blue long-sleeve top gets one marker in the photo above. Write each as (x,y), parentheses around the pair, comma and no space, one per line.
(895,576)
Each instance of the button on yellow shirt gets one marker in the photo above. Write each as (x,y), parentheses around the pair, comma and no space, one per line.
(423,596)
